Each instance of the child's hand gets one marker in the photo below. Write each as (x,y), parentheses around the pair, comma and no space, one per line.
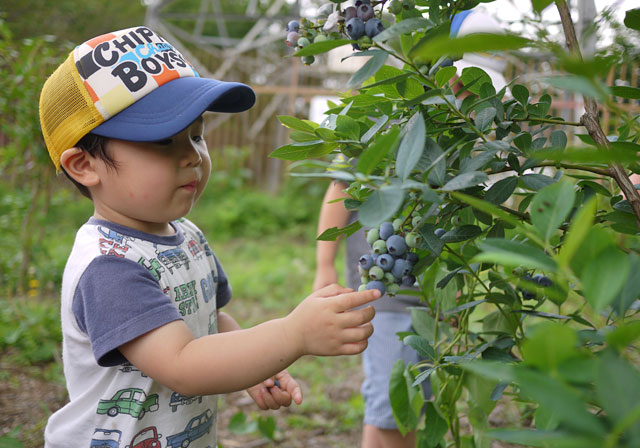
(325,323)
(272,395)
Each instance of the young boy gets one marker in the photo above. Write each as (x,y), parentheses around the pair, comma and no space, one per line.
(145,344)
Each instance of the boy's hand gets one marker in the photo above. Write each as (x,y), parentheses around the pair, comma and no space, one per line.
(272,395)
(325,323)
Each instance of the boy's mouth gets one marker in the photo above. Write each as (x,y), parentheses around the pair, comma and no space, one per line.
(191,186)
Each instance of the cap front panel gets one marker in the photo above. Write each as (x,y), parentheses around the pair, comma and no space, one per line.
(121,67)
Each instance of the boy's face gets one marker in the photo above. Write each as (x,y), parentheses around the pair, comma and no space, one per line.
(154,182)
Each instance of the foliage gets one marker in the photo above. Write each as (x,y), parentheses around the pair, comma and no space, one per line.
(516,199)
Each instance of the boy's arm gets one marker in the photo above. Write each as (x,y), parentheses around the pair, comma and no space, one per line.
(323,324)
(331,215)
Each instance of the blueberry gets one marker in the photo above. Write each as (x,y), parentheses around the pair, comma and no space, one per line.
(320,38)
(373,235)
(396,245)
(542,280)
(379,247)
(362,2)
(373,27)
(412,257)
(355,30)
(350,13)
(408,280)
(376,273)
(456,220)
(293,26)
(365,12)
(397,223)
(528,295)
(385,261)
(408,4)
(415,221)
(395,7)
(292,38)
(401,268)
(363,286)
(389,278)
(376,284)
(393,289)
(303,42)
(439,232)
(386,229)
(308,60)
(366,261)
(412,239)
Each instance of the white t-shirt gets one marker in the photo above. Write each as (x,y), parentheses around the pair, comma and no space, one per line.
(118,284)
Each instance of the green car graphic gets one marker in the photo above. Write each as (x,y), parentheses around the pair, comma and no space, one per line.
(130,401)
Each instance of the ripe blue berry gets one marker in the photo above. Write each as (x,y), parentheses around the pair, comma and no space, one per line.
(409,280)
(373,27)
(528,295)
(386,229)
(350,12)
(439,232)
(412,257)
(542,280)
(355,30)
(396,245)
(385,261)
(379,247)
(365,12)
(401,268)
(366,261)
(376,284)
(361,2)
(293,26)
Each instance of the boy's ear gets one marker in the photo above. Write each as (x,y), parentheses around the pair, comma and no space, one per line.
(80,166)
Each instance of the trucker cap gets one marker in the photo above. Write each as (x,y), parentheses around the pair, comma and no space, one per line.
(131,85)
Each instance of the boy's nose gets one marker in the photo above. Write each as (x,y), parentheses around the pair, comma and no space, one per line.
(191,156)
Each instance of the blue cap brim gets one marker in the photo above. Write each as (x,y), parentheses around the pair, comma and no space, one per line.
(172,107)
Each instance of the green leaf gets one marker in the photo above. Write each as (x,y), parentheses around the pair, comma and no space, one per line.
(540,5)
(553,394)
(377,60)
(474,78)
(348,127)
(435,427)
(321,47)
(466,180)
(429,240)
(618,390)
(501,190)
(596,241)
(577,232)
(548,345)
(545,439)
(400,399)
(461,233)
(536,181)
(632,19)
(411,146)
(487,207)
(374,154)
(444,75)
(441,45)
(631,290)
(550,206)
(326,134)
(578,84)
(513,253)
(484,118)
(632,93)
(558,139)
(297,124)
(623,336)
(433,159)
(381,205)
(521,94)
(621,153)
(603,277)
(333,233)
(239,424)
(373,130)
(403,27)
(420,345)
(303,150)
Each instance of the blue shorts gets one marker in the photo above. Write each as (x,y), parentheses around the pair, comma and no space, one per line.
(384,349)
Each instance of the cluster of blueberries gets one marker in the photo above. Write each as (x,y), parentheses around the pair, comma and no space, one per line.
(390,263)
(540,280)
(357,22)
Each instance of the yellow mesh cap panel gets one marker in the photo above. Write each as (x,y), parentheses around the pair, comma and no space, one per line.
(67,112)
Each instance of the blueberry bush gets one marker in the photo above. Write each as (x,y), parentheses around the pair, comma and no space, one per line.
(522,242)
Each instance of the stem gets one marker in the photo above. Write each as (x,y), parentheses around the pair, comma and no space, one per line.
(549,120)
(591,120)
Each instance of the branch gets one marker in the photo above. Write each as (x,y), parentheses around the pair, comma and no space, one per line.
(590,119)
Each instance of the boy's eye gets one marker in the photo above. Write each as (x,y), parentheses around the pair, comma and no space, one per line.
(197,138)
(164,142)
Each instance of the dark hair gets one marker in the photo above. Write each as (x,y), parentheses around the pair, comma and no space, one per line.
(95,146)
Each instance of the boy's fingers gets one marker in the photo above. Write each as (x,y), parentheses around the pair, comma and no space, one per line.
(358,334)
(355,318)
(355,299)
(282,398)
(331,290)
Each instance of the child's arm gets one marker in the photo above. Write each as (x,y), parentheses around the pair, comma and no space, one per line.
(323,324)
(331,215)
(266,394)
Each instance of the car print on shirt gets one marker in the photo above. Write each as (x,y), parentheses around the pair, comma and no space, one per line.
(106,438)
(153,266)
(128,367)
(146,438)
(178,399)
(173,258)
(197,427)
(130,401)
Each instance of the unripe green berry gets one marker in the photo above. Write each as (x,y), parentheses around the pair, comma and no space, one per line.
(379,247)
(395,7)
(397,224)
(392,289)
(320,38)
(362,287)
(415,221)
(308,60)
(376,273)
(412,239)
(388,276)
(303,42)
(373,235)
(456,220)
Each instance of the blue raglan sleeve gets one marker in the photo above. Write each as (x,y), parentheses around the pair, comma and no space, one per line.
(224,293)
(116,301)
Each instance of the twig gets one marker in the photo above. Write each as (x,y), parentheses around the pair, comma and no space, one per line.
(590,119)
